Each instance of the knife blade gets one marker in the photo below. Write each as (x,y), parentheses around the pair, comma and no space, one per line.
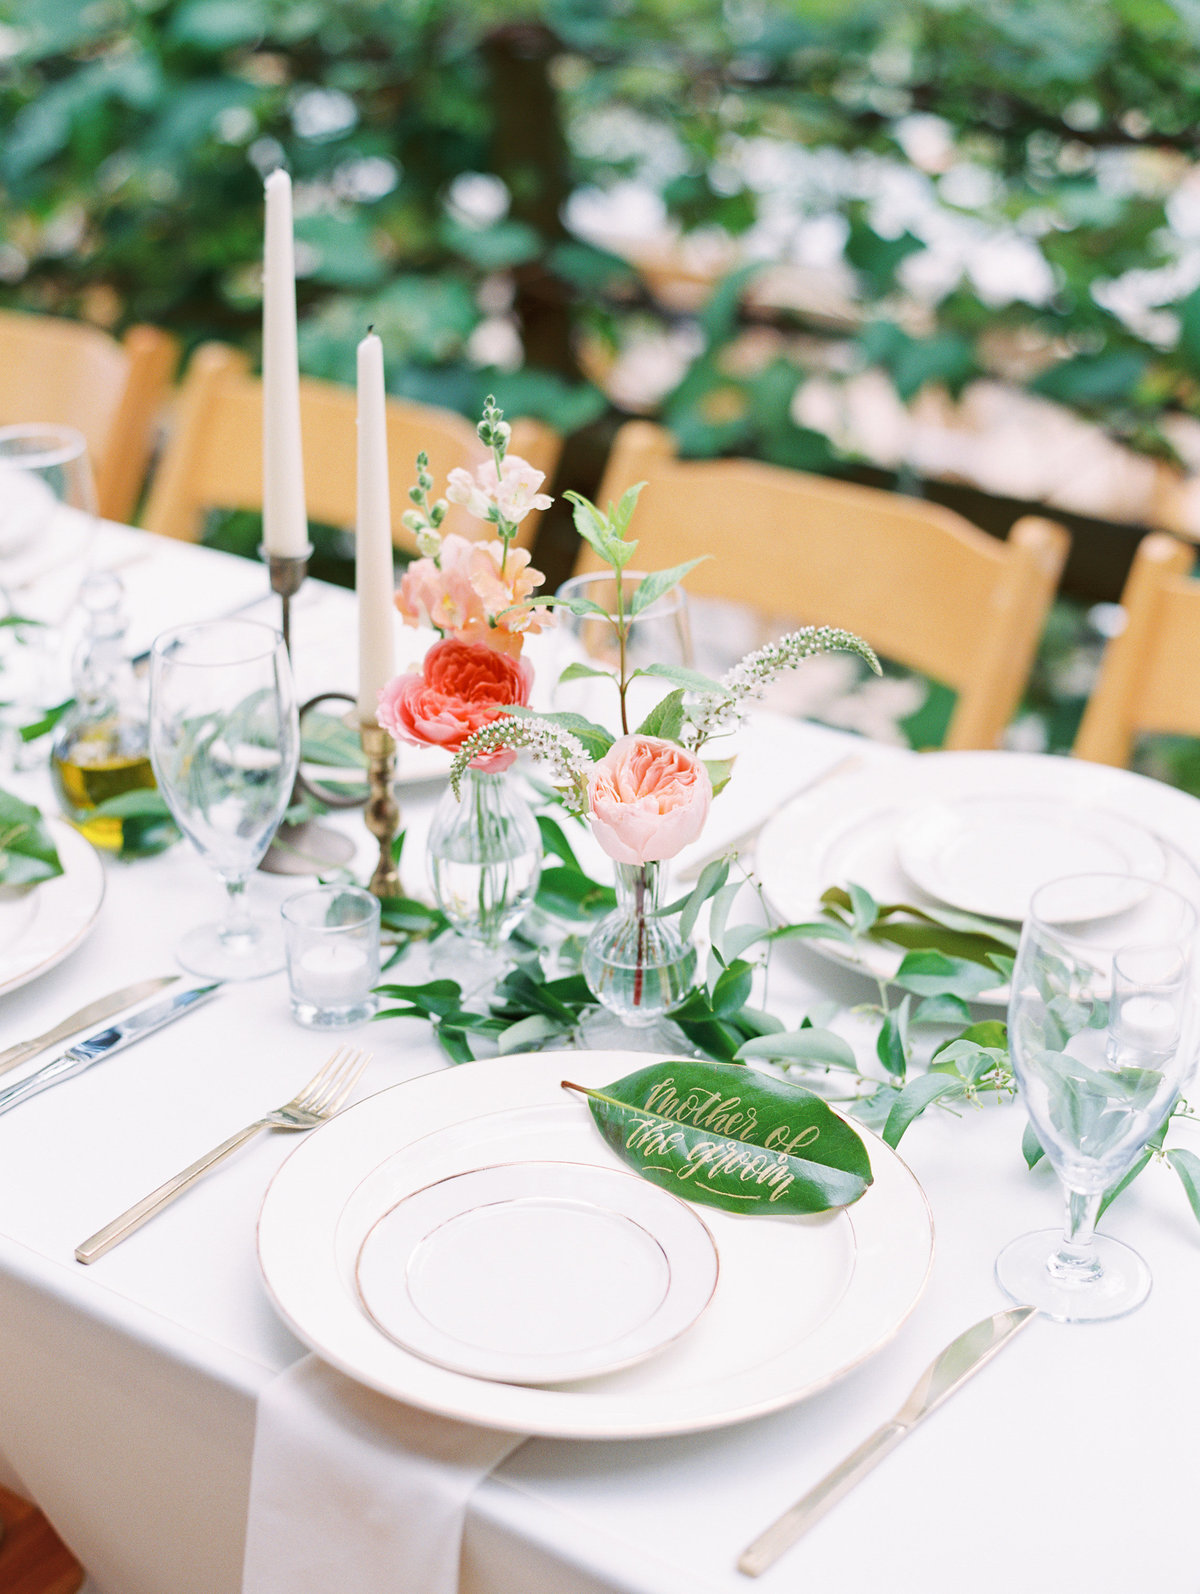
(948,1372)
(94,1013)
(114,1039)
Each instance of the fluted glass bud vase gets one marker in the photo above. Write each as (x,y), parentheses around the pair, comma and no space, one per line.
(485,861)
(638,967)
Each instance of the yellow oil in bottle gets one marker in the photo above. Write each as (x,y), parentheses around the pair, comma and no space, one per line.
(93,765)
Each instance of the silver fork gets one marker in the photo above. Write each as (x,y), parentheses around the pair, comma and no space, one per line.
(321,1098)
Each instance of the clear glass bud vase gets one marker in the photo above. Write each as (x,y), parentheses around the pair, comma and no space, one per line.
(485,861)
(637,965)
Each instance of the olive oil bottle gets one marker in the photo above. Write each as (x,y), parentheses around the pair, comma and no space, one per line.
(100,750)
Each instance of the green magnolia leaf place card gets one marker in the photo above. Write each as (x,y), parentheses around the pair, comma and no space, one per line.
(726,1136)
(27,851)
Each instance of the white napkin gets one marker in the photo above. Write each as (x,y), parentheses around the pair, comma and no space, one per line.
(352,1491)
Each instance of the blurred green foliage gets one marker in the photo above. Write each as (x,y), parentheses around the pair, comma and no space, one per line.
(437,147)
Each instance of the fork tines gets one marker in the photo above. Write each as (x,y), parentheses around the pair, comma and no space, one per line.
(329,1087)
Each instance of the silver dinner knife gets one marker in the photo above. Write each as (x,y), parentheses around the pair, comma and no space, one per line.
(94,1013)
(114,1039)
(962,1357)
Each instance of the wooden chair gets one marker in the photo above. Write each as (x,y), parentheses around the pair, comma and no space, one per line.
(1150,675)
(921,584)
(214,458)
(77,375)
(33,1559)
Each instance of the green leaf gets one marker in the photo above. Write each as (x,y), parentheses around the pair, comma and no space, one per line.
(571,894)
(666,718)
(1111,1194)
(40,727)
(580,672)
(863,908)
(1187,1165)
(720,772)
(914,1098)
(690,680)
(811,1045)
(656,585)
(595,739)
(554,841)
(943,1009)
(891,1046)
(930,973)
(1031,1147)
(725,1136)
(528,1033)
(712,877)
(27,851)
(732,990)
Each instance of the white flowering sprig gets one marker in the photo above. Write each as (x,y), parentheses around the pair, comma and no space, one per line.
(710,714)
(424,521)
(552,743)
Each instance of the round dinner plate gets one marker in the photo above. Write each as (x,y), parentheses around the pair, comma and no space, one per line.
(848,829)
(40,924)
(537,1272)
(799,1301)
(988,855)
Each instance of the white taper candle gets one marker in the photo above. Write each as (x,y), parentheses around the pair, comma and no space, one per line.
(285,523)
(373,574)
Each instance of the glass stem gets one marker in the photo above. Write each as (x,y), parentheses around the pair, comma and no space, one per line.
(237,924)
(1076,1257)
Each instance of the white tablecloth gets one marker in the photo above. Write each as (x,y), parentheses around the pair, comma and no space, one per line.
(128,1390)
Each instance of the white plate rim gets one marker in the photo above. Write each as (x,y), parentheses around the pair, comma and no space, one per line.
(1170,815)
(81,866)
(546,1412)
(909,846)
(629,1360)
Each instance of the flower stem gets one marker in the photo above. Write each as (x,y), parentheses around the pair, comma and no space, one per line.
(622,637)
(640,971)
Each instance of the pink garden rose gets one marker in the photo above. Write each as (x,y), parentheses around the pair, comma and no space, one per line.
(461,686)
(648,799)
(464,595)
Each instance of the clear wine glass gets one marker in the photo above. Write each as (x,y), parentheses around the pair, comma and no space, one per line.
(660,634)
(224,742)
(47,517)
(1103,1034)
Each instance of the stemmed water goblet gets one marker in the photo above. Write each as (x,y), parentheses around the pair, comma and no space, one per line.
(1102,1034)
(224,743)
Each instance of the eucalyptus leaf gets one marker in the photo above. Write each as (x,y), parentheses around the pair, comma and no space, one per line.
(914,1098)
(811,1045)
(1187,1165)
(725,1136)
(1031,1147)
(1111,1194)
(712,877)
(930,973)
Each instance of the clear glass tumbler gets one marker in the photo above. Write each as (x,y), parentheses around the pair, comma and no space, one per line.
(1102,1033)
(659,634)
(332,939)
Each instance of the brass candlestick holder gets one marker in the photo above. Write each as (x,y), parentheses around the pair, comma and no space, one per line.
(307,847)
(382,811)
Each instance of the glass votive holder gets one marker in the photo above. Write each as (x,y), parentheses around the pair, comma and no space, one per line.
(332,939)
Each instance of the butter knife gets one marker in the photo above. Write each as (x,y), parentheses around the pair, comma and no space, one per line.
(115,1039)
(962,1357)
(94,1013)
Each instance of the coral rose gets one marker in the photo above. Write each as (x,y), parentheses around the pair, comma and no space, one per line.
(461,687)
(648,798)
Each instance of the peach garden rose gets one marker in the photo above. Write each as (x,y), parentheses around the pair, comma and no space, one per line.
(648,798)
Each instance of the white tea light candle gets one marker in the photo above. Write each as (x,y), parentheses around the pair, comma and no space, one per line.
(332,937)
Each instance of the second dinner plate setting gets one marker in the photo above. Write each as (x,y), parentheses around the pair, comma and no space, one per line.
(974,833)
(473,1247)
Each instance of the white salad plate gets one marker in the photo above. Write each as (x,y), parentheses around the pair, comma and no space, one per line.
(537,1272)
(40,924)
(799,1301)
(988,855)
(857,826)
